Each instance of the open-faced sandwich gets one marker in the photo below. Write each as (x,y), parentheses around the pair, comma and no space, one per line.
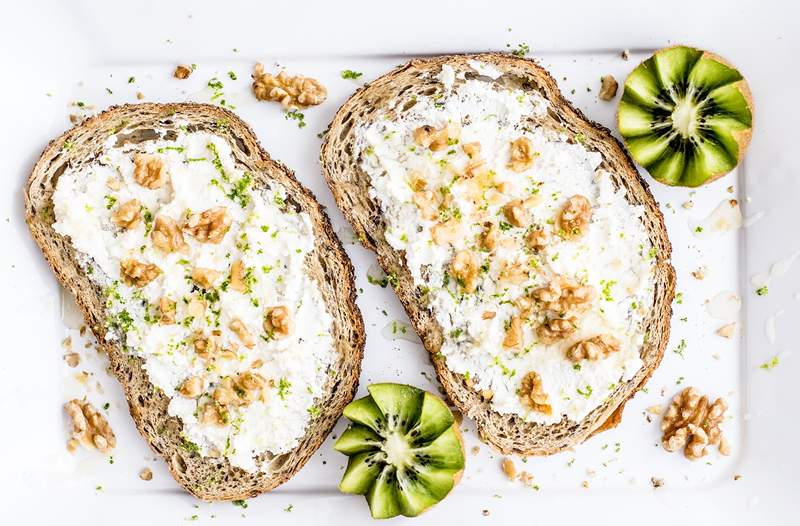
(213,281)
(525,247)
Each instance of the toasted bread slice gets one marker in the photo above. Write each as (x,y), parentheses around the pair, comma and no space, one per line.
(398,91)
(207,478)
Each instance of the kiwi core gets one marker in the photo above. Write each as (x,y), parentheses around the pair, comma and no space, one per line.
(397,449)
(685,117)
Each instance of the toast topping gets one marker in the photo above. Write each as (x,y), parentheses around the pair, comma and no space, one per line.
(149,171)
(292,92)
(89,427)
(594,348)
(277,321)
(167,235)
(192,387)
(532,394)
(531,226)
(240,329)
(205,277)
(136,273)
(168,308)
(210,226)
(127,214)
(692,422)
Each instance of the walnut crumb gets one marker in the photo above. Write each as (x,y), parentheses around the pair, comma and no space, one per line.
(182,72)
(149,171)
(139,95)
(146,474)
(137,273)
(608,87)
(509,468)
(656,482)
(699,273)
(575,217)
(475,450)
(72,359)
(727,331)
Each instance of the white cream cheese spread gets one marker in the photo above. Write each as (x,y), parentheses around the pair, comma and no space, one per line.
(481,200)
(221,307)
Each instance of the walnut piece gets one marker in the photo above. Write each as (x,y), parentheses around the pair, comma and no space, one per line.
(293,92)
(196,307)
(89,427)
(205,277)
(532,394)
(595,348)
(127,214)
(73,359)
(563,294)
(447,232)
(210,226)
(136,273)
(575,217)
(192,387)
(277,321)
(146,474)
(513,337)
(692,423)
(240,329)
(213,414)
(538,238)
(509,468)
(464,268)
(427,203)
(515,273)
(488,239)
(205,346)
(240,390)
(516,213)
(557,329)
(522,155)
(237,276)
(472,149)
(727,330)
(182,71)
(167,235)
(149,171)
(168,309)
(429,137)
(608,87)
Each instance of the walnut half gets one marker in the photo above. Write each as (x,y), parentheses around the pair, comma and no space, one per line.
(89,427)
(167,235)
(277,321)
(575,217)
(532,394)
(127,214)
(692,423)
(595,348)
(292,92)
(149,171)
(210,226)
(522,155)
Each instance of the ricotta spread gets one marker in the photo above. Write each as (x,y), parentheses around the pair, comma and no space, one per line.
(273,378)
(439,202)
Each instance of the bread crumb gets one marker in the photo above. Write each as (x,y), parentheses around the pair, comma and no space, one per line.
(146,474)
(82,377)
(72,359)
(526,478)
(82,330)
(608,87)
(656,482)
(730,189)
(509,468)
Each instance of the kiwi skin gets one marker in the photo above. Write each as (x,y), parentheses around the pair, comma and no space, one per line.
(741,137)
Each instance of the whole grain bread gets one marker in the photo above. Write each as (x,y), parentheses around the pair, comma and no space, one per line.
(206,478)
(396,92)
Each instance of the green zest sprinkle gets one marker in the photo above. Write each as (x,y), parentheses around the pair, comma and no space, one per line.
(679,350)
(521,50)
(762,291)
(350,74)
(770,364)
(110,200)
(283,388)
(587,393)
(241,503)
(297,116)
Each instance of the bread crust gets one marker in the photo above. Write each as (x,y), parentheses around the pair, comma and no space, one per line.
(206,478)
(391,94)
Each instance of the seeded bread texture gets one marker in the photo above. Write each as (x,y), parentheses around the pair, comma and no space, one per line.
(394,93)
(206,478)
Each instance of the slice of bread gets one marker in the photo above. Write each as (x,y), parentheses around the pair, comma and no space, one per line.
(205,477)
(398,91)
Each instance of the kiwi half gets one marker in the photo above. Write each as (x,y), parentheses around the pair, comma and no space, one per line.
(686,115)
(405,450)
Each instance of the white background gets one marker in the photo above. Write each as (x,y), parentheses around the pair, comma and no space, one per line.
(75,50)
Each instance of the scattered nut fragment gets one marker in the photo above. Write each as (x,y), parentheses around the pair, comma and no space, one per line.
(293,92)
(237,276)
(146,474)
(112,183)
(513,337)
(555,329)
(694,424)
(89,427)
(192,387)
(73,359)
(727,331)
(205,277)
(608,87)
(538,238)
(509,469)
(594,348)
(475,450)
(205,346)
(656,482)
(429,137)
(532,394)
(182,71)
(464,268)
(167,307)
(472,149)
(139,95)
(136,273)
(196,307)
(277,321)
(700,273)
(687,205)
(522,155)
(149,171)
(488,239)
(167,235)
(127,214)
(213,414)
(563,294)
(625,54)
(575,217)
(210,226)
(426,202)
(240,329)
(656,410)
(447,232)
(516,213)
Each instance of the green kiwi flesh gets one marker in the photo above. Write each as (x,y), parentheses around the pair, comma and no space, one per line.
(405,451)
(686,115)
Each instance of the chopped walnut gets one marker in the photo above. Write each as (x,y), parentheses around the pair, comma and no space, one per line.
(575,217)
(694,424)
(429,137)
(509,468)
(478,169)
(472,149)
(522,155)
(516,212)
(205,277)
(136,273)
(488,239)
(192,387)
(196,307)
(127,214)
(237,276)
(167,235)
(149,171)
(146,474)
(112,183)
(89,427)
(182,72)
(538,238)
(557,329)
(563,294)
(488,315)
(595,348)
(240,329)
(608,87)
(464,268)
(277,321)
(513,337)
(445,233)
(426,202)
(514,273)
(240,390)
(213,414)
(727,331)
(532,394)
(205,346)
(210,226)
(292,92)
(168,309)
(73,359)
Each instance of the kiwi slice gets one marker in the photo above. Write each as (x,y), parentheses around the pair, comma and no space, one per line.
(405,450)
(686,115)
